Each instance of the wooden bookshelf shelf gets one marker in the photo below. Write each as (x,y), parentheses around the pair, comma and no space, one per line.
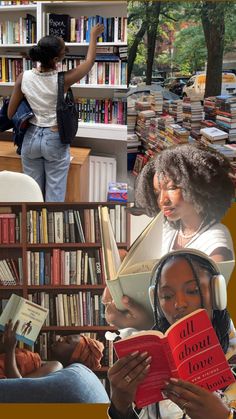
(18,8)
(65,287)
(78,328)
(75,308)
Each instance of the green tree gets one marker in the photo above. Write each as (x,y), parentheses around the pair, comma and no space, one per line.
(145,16)
(190,49)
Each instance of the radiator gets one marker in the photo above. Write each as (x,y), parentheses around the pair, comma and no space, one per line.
(102,170)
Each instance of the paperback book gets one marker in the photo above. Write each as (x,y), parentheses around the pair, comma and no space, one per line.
(189,350)
(31,318)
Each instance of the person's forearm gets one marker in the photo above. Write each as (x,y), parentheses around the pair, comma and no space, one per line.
(114,413)
(11,369)
(91,54)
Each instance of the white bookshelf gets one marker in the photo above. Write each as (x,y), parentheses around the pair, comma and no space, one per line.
(102,131)
(109,139)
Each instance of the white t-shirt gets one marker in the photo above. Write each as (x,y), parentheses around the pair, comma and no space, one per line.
(40,89)
(207,240)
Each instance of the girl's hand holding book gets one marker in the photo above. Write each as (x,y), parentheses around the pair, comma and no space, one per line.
(197,402)
(9,336)
(97,30)
(135,316)
(125,376)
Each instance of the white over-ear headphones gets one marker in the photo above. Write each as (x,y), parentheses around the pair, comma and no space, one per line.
(218,283)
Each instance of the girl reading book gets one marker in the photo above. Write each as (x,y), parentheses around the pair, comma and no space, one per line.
(66,350)
(184,282)
(193,187)
(43,155)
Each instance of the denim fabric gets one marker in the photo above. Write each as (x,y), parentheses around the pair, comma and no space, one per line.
(74,384)
(47,160)
(22,114)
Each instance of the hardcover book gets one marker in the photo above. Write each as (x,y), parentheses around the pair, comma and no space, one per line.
(189,350)
(132,276)
(31,317)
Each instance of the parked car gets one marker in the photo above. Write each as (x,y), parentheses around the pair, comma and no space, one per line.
(169,81)
(195,87)
(159,80)
(176,84)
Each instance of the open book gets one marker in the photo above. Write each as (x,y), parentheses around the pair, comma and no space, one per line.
(189,350)
(31,317)
(132,276)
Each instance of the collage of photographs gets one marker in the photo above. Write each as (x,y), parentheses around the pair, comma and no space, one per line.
(118,209)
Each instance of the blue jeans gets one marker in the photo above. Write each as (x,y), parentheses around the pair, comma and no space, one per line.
(74,384)
(47,160)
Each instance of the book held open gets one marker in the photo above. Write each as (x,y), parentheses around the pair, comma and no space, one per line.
(132,276)
(31,317)
(189,350)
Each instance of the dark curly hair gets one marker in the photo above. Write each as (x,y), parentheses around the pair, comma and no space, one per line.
(47,48)
(203,174)
(221,318)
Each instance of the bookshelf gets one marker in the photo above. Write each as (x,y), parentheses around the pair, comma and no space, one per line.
(37,223)
(111,141)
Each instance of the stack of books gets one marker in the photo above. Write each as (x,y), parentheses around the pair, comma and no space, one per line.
(176,134)
(143,123)
(174,108)
(213,135)
(226,115)
(209,108)
(192,114)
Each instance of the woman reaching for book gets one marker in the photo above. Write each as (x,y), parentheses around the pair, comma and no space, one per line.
(184,282)
(192,186)
(43,155)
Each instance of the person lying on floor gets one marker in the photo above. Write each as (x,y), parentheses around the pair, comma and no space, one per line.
(18,363)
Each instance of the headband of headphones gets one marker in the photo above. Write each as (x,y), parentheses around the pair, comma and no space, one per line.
(218,283)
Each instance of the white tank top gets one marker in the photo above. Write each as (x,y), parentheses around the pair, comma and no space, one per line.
(40,89)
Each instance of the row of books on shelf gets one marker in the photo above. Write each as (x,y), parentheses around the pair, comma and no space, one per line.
(104,111)
(65,267)
(73,226)
(108,72)
(22,31)
(11,272)
(77,29)
(10,231)
(15,2)
(103,72)
(82,308)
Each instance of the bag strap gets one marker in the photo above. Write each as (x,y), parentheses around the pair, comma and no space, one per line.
(60,95)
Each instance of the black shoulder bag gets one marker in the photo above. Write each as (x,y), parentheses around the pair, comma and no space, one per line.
(67,115)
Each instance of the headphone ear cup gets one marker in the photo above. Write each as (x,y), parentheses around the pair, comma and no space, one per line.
(151,292)
(219,292)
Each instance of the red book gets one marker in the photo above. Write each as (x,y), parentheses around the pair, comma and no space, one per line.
(189,350)
(56,265)
(12,229)
(6,230)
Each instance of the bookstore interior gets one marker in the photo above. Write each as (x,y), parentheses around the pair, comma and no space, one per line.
(57,255)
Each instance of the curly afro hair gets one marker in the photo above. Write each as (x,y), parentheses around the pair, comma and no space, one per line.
(203,174)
